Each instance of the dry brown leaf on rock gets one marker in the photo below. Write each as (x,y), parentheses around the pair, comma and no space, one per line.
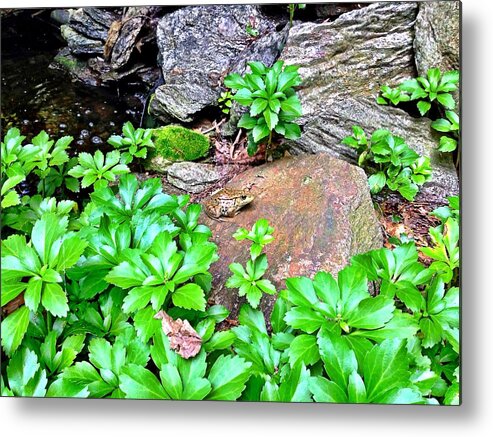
(183,339)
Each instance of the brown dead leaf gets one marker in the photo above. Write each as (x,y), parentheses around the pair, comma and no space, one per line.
(113,34)
(183,339)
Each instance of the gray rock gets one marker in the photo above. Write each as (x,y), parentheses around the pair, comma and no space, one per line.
(333,10)
(437,36)
(322,214)
(198,46)
(82,22)
(194,177)
(80,44)
(343,64)
(353,55)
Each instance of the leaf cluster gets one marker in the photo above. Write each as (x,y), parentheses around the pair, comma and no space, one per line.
(399,167)
(270,95)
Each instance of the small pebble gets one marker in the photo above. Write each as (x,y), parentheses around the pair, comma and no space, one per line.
(91,124)
(62,126)
(84,133)
(25,122)
(87,111)
(96,140)
(80,142)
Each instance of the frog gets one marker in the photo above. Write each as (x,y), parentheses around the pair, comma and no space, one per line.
(227,202)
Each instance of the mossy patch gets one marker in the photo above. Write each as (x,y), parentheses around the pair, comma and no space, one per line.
(178,143)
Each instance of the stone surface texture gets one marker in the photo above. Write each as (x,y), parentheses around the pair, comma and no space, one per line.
(198,46)
(321,210)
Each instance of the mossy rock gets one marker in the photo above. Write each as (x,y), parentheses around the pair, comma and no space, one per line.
(177,143)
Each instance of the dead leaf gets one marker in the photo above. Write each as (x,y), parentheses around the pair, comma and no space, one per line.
(113,34)
(183,339)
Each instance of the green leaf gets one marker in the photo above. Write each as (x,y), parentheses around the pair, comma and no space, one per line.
(303,349)
(55,300)
(228,377)
(271,119)
(260,131)
(423,107)
(258,106)
(139,383)
(371,313)
(339,360)
(446,100)
(447,144)
(14,327)
(190,296)
(145,323)
(377,182)
(305,319)
(386,368)
(234,81)
(324,390)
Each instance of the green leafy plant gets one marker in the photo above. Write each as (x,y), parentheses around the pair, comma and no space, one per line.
(133,144)
(270,95)
(98,167)
(37,268)
(225,101)
(399,167)
(392,95)
(249,281)
(445,249)
(292,7)
(448,124)
(434,87)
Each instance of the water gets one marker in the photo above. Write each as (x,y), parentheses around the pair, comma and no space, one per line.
(36,97)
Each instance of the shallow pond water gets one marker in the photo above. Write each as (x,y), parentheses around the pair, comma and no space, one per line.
(35,96)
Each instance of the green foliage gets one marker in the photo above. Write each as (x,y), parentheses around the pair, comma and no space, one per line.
(392,95)
(449,125)
(178,143)
(225,101)
(292,7)
(270,95)
(385,331)
(249,281)
(133,144)
(434,87)
(98,167)
(399,167)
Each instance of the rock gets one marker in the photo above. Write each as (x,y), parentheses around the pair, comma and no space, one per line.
(354,55)
(437,36)
(198,46)
(195,177)
(92,22)
(343,64)
(321,210)
(132,24)
(80,44)
(333,10)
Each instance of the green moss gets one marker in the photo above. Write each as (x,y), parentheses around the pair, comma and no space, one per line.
(178,143)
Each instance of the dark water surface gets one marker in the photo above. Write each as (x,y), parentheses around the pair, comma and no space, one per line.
(36,97)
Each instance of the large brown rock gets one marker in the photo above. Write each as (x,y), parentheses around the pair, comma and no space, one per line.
(321,210)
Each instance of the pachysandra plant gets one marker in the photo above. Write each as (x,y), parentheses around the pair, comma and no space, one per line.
(434,87)
(400,168)
(133,144)
(98,167)
(249,281)
(81,292)
(450,124)
(273,103)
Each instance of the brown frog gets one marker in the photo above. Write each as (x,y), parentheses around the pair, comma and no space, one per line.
(227,203)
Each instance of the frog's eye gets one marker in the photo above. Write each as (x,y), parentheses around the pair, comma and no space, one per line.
(243,197)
